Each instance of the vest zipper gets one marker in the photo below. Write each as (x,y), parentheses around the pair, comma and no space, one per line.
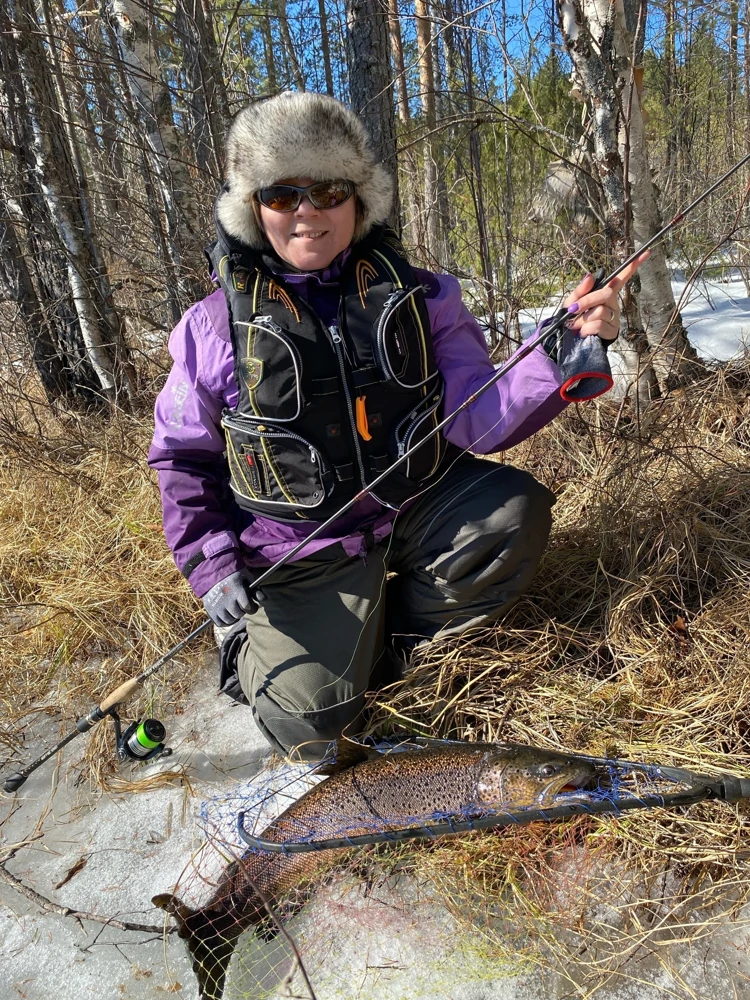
(337,344)
(389,307)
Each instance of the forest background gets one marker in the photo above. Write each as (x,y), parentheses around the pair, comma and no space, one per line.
(531,142)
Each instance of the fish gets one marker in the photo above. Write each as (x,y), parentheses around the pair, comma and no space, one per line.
(366,791)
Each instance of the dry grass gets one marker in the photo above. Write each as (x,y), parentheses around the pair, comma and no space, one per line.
(89,594)
(634,641)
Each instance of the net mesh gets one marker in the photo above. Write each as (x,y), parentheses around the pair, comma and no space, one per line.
(290,830)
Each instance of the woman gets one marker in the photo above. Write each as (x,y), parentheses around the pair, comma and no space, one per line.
(322,357)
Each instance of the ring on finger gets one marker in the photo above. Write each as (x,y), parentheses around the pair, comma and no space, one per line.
(611,315)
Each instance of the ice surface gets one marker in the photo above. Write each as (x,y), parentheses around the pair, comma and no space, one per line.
(392,940)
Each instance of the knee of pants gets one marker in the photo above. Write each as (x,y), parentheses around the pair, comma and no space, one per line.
(532,508)
(501,533)
(307,732)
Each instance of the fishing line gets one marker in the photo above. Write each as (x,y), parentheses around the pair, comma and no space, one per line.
(391,537)
(128,688)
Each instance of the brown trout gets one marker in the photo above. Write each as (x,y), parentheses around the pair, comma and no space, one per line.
(366,792)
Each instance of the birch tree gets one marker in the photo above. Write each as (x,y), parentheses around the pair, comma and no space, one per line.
(150,96)
(602,37)
(58,174)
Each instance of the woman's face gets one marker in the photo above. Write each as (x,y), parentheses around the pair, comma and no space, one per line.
(309,238)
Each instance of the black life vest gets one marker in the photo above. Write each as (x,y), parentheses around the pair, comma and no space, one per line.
(321,412)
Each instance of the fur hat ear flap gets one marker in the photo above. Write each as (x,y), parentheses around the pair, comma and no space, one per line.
(298,135)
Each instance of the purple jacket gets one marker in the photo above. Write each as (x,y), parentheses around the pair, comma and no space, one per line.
(188,444)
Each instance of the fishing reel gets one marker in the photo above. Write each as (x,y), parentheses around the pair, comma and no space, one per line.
(141,741)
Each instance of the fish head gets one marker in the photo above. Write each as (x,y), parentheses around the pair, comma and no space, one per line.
(514,776)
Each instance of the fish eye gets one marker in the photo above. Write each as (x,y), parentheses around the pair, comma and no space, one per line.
(549,769)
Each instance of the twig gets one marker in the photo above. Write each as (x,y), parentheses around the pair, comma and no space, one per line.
(64,911)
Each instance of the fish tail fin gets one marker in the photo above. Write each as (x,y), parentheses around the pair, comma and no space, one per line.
(211,935)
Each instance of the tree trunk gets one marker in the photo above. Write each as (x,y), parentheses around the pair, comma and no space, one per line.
(397,54)
(371,82)
(268,51)
(207,96)
(104,104)
(325,46)
(427,97)
(150,96)
(60,179)
(672,355)
(410,202)
(601,38)
(476,187)
(286,36)
(733,77)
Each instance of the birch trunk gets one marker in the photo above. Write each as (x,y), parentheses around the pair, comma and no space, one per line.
(151,99)
(59,181)
(600,37)
(672,355)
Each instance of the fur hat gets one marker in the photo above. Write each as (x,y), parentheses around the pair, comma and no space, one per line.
(298,135)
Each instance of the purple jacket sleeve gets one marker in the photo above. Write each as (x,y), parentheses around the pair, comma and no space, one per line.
(188,445)
(524,400)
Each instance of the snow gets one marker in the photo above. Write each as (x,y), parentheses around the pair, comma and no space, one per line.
(394,940)
(716,315)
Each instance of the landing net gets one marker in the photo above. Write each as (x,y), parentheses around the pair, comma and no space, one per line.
(618,786)
(257,870)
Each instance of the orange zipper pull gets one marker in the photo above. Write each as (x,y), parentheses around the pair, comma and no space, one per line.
(362,427)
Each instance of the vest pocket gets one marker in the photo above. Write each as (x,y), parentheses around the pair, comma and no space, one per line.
(271,371)
(274,466)
(415,426)
(402,357)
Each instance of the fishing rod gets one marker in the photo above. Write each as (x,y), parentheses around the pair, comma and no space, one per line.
(545,330)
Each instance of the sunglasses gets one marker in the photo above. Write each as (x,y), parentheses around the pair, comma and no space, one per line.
(322,195)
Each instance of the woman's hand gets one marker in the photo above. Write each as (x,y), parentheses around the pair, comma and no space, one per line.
(598,312)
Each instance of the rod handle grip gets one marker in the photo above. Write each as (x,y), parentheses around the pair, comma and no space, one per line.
(120,694)
(14,781)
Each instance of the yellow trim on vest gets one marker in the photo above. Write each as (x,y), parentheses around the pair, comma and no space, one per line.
(366,274)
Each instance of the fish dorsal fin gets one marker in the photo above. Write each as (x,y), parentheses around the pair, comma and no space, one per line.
(346,755)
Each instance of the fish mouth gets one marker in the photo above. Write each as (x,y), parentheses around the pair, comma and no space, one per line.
(570,788)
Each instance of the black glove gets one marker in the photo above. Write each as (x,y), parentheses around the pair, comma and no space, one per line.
(232,597)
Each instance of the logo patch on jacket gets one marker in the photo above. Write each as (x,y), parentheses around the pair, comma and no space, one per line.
(252,372)
(366,274)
